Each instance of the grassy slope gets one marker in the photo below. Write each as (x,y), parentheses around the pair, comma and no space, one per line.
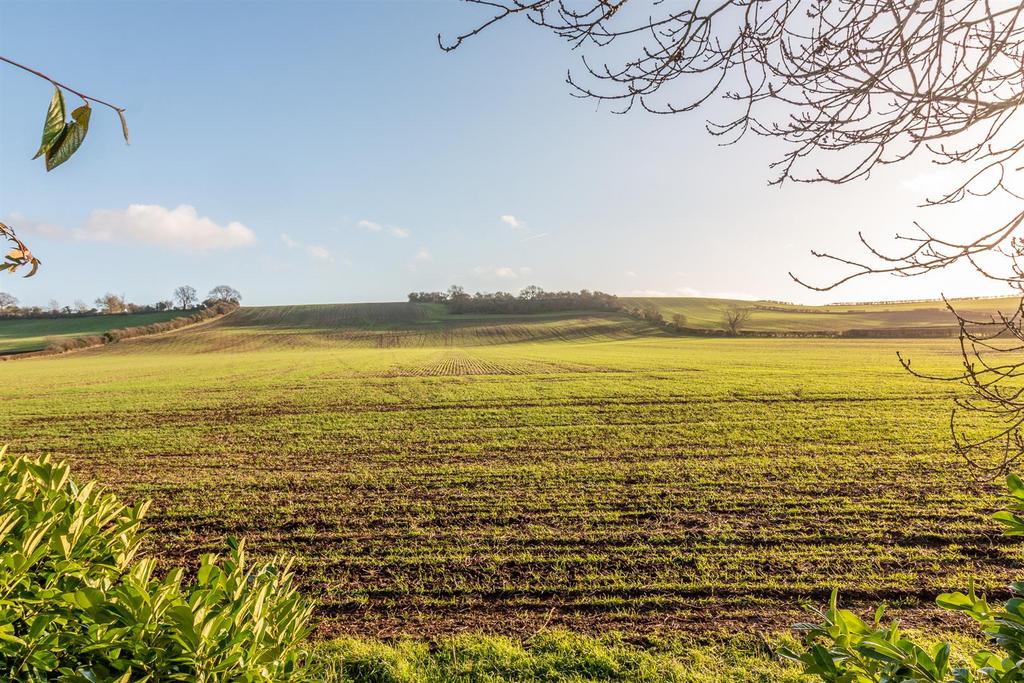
(19,335)
(578,474)
(425,325)
(771,316)
(389,325)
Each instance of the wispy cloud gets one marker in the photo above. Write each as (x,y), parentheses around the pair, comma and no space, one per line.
(422,255)
(372,226)
(178,228)
(502,272)
(317,252)
(521,227)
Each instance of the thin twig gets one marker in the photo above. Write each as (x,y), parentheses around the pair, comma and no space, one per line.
(58,84)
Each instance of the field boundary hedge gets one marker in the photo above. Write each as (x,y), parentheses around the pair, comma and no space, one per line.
(876,333)
(61,345)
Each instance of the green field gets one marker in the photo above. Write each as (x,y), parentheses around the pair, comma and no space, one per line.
(773,316)
(436,474)
(18,335)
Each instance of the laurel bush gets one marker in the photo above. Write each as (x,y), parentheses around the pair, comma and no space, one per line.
(78,603)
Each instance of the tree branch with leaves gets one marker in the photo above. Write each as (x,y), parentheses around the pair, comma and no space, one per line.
(60,140)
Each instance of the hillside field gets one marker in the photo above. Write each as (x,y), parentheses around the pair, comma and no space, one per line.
(438,474)
(18,335)
(773,316)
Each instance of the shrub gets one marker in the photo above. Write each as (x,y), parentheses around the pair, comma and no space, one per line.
(845,649)
(78,604)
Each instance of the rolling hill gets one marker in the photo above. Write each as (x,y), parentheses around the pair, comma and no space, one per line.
(773,316)
(382,325)
(387,325)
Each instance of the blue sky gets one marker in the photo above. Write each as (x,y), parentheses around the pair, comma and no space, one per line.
(331,152)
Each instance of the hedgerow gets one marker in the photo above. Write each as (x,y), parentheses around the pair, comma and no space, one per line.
(78,603)
(64,344)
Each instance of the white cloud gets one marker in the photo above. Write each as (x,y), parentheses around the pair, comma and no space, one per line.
(24,225)
(423,255)
(687,291)
(630,273)
(181,228)
(647,292)
(502,272)
(392,230)
(512,222)
(316,252)
(538,236)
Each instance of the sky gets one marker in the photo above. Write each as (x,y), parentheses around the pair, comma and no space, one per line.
(318,152)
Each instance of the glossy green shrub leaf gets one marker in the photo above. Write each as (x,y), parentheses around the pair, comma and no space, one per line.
(78,604)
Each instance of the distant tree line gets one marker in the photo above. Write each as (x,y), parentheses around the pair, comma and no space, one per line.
(184,298)
(531,299)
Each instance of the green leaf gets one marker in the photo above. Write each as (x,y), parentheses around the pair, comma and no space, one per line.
(54,124)
(68,143)
(942,658)
(954,601)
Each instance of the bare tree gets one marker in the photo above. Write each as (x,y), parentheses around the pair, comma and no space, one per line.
(111,303)
(80,306)
(224,293)
(7,301)
(54,306)
(679,321)
(734,319)
(849,87)
(186,296)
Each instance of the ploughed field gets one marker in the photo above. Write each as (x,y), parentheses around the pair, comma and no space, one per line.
(437,473)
